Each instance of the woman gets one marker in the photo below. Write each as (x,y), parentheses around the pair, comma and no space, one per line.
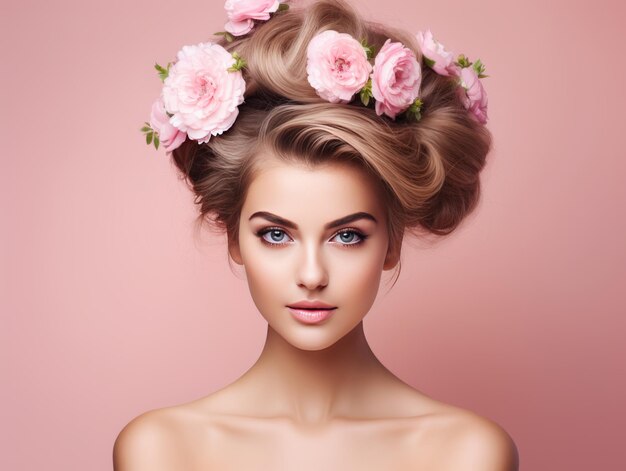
(315,140)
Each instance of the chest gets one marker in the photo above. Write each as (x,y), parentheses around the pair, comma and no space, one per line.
(364,447)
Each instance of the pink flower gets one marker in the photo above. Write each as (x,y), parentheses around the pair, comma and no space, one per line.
(434,50)
(201,93)
(396,79)
(473,94)
(241,14)
(169,136)
(337,66)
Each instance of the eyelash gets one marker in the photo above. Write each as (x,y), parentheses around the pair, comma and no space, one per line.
(261,232)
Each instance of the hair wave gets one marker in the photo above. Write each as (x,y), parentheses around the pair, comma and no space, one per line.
(429,169)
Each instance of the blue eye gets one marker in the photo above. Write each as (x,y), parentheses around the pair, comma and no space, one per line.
(348,236)
(275,236)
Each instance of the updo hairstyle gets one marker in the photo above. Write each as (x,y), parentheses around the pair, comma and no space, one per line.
(429,170)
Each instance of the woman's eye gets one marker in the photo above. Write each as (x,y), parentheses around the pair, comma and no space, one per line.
(349,237)
(274,236)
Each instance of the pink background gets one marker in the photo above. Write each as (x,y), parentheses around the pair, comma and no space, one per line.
(110,307)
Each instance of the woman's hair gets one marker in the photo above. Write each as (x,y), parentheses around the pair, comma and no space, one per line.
(429,170)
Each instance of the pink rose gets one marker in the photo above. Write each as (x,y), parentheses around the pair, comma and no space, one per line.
(241,14)
(201,93)
(169,136)
(396,79)
(434,50)
(337,66)
(473,94)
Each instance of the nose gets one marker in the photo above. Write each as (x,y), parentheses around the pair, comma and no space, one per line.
(311,271)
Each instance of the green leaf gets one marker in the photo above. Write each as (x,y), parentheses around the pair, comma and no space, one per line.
(368,49)
(156,141)
(414,111)
(146,129)
(149,138)
(239,64)
(163,72)
(366,93)
(229,37)
(429,62)
(365,99)
(479,67)
(283,7)
(463,61)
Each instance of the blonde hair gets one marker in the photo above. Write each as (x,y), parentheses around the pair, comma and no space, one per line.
(429,169)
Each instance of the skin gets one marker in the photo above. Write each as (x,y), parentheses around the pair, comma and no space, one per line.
(317,397)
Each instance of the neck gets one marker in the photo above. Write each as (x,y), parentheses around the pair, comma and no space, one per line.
(313,387)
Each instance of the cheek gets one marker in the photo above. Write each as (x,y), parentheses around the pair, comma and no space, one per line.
(266,273)
(357,276)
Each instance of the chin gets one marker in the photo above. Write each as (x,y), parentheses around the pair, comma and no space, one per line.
(313,345)
(310,338)
(314,337)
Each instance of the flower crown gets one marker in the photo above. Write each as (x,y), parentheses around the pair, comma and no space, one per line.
(203,88)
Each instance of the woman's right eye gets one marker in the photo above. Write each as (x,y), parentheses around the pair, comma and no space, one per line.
(273,236)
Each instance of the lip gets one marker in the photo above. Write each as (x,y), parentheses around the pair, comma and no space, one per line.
(311,316)
(311,312)
(306,304)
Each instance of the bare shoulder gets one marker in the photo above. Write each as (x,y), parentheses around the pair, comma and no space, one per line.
(151,441)
(480,443)
(468,441)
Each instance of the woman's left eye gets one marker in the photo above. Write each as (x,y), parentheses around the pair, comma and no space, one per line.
(350,237)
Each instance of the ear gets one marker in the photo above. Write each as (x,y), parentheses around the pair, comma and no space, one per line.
(393,255)
(235,252)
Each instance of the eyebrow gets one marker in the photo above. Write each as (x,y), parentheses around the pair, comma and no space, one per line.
(337,222)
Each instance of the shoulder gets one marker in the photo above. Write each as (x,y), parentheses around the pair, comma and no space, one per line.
(472,442)
(483,444)
(149,442)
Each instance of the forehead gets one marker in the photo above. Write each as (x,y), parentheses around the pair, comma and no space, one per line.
(325,191)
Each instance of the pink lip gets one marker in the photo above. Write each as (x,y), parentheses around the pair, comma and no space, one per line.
(306,304)
(311,316)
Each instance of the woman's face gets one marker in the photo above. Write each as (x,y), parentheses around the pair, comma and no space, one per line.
(313,234)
